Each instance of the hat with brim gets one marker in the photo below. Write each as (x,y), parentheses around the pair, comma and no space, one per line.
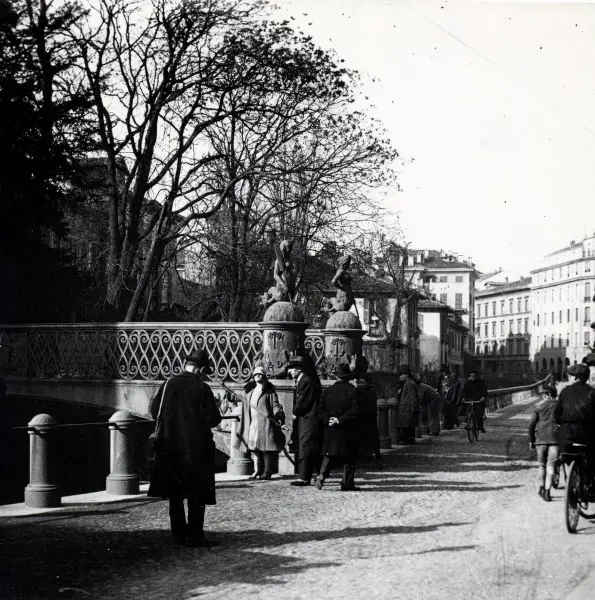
(296,362)
(579,370)
(404,370)
(201,359)
(343,371)
(259,369)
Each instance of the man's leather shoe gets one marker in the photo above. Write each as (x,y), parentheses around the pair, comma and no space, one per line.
(482,430)
(300,483)
(266,476)
(351,488)
(547,496)
(319,482)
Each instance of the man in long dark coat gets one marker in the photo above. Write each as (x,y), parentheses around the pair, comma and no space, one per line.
(185,468)
(338,413)
(575,411)
(408,407)
(307,395)
(367,401)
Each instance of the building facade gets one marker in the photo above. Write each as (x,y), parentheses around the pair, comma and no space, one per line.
(503,326)
(562,300)
(451,280)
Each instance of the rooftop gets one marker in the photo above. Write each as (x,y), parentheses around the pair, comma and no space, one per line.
(499,288)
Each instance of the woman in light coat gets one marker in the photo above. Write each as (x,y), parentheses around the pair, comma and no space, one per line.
(261,419)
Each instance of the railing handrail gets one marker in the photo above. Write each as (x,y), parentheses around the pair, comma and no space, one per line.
(520,388)
(132,325)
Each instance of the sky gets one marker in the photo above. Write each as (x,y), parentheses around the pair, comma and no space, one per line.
(491,106)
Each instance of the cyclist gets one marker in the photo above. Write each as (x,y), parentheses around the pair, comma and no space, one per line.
(543,436)
(575,411)
(475,390)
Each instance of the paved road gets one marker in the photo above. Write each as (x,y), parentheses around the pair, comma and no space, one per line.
(445,519)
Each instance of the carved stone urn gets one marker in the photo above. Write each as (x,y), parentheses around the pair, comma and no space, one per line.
(342,340)
(283,330)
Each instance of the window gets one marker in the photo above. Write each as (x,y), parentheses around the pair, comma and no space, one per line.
(519,307)
(587,314)
(537,320)
(494,329)
(458,279)
(544,319)
(537,343)
(510,306)
(502,305)
(443,279)
(478,330)
(478,308)
(576,338)
(588,266)
(553,292)
(444,300)
(560,273)
(559,293)
(568,316)
(545,341)
(568,339)
(478,349)
(493,309)
(519,326)
(576,314)
(510,326)
(576,268)
(567,270)
(560,341)
(459,301)
(560,316)
(553,318)
(526,303)
(526,325)
(485,330)
(501,328)
(587,292)
(485,309)
(586,338)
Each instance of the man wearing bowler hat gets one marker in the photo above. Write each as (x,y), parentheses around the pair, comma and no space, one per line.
(185,410)
(307,395)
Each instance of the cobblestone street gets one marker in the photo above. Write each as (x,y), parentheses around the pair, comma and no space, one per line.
(444,519)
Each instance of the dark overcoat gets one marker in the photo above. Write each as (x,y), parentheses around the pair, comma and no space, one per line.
(307,397)
(408,408)
(186,458)
(340,401)
(367,422)
(543,428)
(270,417)
(575,412)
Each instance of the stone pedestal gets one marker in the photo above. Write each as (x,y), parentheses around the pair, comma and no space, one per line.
(383,431)
(342,340)
(239,463)
(283,332)
(42,491)
(393,430)
(123,479)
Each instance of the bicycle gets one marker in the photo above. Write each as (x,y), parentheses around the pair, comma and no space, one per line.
(580,487)
(471,427)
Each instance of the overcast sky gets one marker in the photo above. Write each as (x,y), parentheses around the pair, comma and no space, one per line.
(492,106)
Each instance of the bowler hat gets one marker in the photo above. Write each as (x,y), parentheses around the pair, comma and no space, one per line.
(201,359)
(296,361)
(343,371)
(404,370)
(579,370)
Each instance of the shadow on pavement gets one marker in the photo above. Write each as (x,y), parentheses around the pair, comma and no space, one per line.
(75,559)
(445,549)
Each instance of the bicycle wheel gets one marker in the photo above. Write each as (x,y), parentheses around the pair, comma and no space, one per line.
(471,428)
(573,492)
(475,430)
(556,477)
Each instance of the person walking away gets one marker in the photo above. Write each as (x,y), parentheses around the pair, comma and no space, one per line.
(367,399)
(575,412)
(408,408)
(543,437)
(338,412)
(475,390)
(185,469)
(261,419)
(307,396)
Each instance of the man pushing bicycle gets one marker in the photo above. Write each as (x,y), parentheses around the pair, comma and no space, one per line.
(473,396)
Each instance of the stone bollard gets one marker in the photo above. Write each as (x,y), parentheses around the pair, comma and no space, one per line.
(42,491)
(123,479)
(383,434)
(239,462)
(393,430)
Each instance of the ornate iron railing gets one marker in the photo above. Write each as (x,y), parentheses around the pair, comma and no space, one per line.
(134,351)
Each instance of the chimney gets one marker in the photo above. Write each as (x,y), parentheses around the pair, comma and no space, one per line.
(420,257)
(427,253)
(572,242)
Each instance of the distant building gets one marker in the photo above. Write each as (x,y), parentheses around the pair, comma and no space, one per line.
(451,280)
(442,337)
(503,325)
(562,300)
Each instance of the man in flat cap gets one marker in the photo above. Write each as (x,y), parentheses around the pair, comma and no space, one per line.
(185,411)
(575,410)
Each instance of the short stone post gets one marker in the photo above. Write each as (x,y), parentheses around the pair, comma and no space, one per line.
(42,491)
(393,430)
(123,479)
(382,408)
(239,462)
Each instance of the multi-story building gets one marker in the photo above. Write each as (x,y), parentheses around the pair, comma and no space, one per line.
(451,280)
(562,306)
(503,323)
(442,338)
